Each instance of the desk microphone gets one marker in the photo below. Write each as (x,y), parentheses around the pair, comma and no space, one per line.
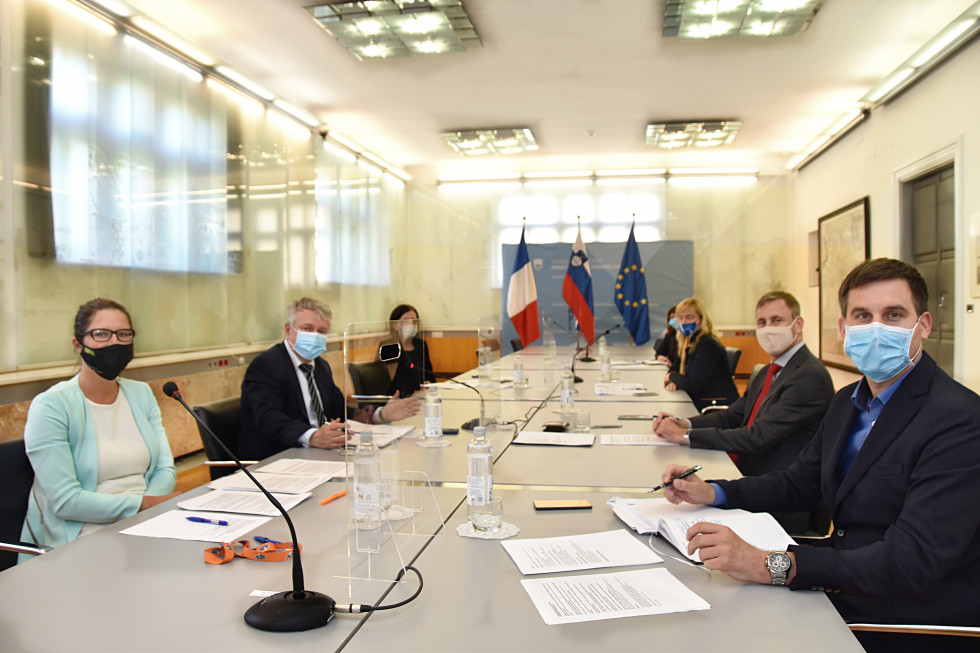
(482,419)
(589,359)
(283,612)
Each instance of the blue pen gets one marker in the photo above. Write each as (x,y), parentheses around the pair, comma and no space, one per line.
(202,520)
(264,540)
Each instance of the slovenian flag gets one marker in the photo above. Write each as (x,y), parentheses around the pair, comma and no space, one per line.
(631,293)
(577,288)
(522,297)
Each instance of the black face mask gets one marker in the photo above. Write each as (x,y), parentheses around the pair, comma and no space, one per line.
(109,361)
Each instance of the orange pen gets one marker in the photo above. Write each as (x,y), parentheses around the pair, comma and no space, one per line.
(332,497)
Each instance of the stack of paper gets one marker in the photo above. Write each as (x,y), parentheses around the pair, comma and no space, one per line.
(619,389)
(381,434)
(246,503)
(660,516)
(555,439)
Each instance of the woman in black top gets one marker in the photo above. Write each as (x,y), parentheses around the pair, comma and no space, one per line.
(702,368)
(413,367)
(666,351)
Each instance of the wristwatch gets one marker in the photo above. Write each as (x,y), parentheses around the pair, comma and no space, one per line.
(687,438)
(779,564)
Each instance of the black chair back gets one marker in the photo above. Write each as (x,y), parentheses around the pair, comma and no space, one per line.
(224,419)
(733,356)
(516,345)
(17,477)
(370,378)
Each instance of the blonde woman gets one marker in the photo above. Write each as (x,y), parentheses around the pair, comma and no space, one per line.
(702,366)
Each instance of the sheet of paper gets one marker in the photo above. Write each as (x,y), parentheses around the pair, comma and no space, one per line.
(174,525)
(247,503)
(333,468)
(619,389)
(544,555)
(557,439)
(287,483)
(618,362)
(381,434)
(573,599)
(638,439)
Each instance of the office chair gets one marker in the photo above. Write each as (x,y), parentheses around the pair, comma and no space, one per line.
(733,354)
(370,378)
(18,477)
(224,419)
(516,345)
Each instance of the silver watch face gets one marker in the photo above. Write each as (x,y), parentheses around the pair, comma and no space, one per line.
(778,562)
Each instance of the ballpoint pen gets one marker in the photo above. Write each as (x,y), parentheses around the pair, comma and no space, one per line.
(607,426)
(203,520)
(264,540)
(684,474)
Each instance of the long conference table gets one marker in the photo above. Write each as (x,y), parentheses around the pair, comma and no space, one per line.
(113,592)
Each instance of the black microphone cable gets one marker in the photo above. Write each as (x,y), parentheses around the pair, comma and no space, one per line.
(358,608)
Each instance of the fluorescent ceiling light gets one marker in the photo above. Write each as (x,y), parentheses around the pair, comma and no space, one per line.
(385,29)
(629,181)
(117,8)
(549,175)
(245,101)
(343,141)
(744,170)
(90,16)
(164,58)
(698,133)
(942,45)
(245,82)
(644,172)
(552,183)
(826,138)
(172,40)
(492,176)
(478,186)
(481,142)
(302,115)
(712,19)
(733,180)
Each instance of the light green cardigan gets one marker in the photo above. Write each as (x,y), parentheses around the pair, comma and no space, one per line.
(63,450)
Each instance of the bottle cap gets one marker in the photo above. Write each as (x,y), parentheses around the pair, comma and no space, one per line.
(479,430)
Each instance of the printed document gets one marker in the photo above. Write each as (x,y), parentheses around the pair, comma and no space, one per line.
(572,599)
(173,524)
(333,468)
(619,389)
(381,434)
(544,555)
(660,516)
(556,439)
(247,503)
(287,483)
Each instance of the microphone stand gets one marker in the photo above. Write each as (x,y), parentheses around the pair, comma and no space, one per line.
(483,407)
(284,612)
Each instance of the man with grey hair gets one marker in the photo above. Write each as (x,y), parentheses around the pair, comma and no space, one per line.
(289,398)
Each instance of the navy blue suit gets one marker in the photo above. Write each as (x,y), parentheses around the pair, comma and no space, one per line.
(906,542)
(273,413)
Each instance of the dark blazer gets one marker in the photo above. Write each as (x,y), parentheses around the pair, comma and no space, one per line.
(906,541)
(786,421)
(408,379)
(706,375)
(668,347)
(274,415)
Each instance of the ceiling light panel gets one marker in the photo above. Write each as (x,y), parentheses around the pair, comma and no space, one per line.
(482,142)
(702,133)
(387,29)
(712,19)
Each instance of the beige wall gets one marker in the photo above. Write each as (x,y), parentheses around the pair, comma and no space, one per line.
(940,113)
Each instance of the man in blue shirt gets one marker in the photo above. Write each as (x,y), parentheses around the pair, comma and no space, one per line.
(897,461)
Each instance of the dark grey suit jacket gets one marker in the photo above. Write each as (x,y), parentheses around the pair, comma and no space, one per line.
(273,413)
(906,541)
(786,422)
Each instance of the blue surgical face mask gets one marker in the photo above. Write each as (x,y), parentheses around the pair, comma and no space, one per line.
(880,352)
(309,344)
(672,322)
(688,328)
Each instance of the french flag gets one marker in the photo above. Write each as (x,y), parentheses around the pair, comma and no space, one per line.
(576,289)
(522,297)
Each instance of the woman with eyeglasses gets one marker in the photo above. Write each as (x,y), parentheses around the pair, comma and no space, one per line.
(96,442)
(413,367)
(701,369)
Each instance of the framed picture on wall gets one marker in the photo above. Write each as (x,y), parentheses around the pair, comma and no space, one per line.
(845,241)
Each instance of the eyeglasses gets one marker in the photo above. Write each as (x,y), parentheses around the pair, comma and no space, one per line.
(104,335)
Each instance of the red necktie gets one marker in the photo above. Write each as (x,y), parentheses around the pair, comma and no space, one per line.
(770,375)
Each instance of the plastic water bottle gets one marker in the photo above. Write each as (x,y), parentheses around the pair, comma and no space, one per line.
(603,347)
(520,381)
(567,390)
(367,483)
(433,414)
(550,359)
(605,359)
(479,470)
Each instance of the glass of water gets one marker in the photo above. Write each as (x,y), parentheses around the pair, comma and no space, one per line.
(489,517)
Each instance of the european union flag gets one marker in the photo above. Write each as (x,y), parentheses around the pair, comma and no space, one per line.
(631,293)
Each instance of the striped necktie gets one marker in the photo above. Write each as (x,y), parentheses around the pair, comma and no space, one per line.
(314,395)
